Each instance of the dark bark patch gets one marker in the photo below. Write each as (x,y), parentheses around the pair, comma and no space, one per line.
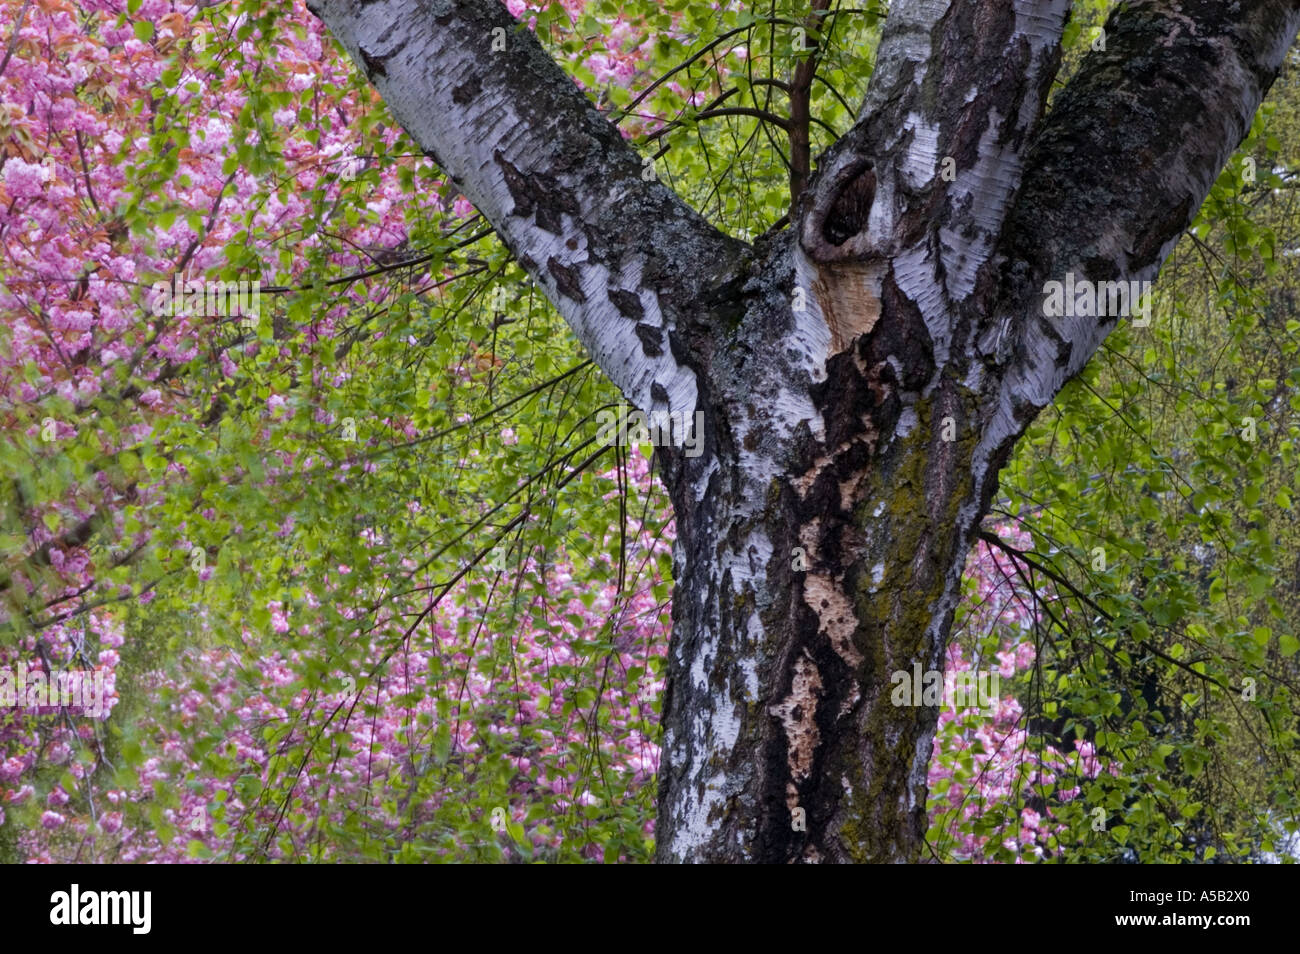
(549,220)
(374,63)
(566,280)
(467,92)
(536,192)
(901,333)
(848,397)
(652,339)
(516,184)
(627,303)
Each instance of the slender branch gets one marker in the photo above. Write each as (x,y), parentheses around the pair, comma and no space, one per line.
(762,114)
(801,107)
(13,40)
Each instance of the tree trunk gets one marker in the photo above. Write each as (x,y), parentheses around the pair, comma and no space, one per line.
(862,375)
(820,545)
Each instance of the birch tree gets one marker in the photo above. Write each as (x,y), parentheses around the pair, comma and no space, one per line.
(862,372)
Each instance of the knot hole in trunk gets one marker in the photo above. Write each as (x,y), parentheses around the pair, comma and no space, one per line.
(849,212)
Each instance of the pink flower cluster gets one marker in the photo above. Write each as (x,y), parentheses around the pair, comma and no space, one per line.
(983,763)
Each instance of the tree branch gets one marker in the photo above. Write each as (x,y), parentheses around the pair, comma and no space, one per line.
(1115,174)
(801,107)
(1130,151)
(622,258)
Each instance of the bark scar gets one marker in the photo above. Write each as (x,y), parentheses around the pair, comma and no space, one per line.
(652,339)
(627,303)
(466,92)
(797,713)
(536,192)
(848,294)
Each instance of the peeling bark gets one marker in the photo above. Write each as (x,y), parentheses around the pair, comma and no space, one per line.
(863,375)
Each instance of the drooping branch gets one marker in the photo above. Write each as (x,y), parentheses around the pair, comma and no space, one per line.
(621,256)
